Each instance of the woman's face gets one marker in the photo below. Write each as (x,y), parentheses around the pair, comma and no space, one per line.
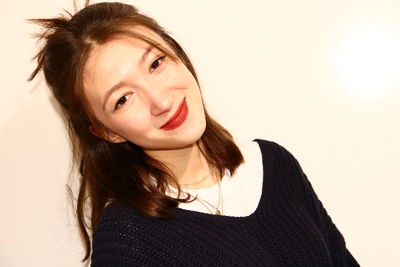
(141,96)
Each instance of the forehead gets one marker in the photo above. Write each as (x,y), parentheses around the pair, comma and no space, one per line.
(136,42)
(118,50)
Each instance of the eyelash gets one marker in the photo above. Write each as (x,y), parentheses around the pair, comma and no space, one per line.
(159,61)
(118,104)
(152,68)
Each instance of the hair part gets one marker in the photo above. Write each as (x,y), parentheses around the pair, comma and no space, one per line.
(119,172)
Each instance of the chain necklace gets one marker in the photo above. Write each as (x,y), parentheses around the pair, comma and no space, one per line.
(217,211)
(198,182)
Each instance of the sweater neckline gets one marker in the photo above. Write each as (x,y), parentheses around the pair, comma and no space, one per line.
(263,198)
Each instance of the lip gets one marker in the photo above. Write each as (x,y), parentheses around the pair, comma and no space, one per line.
(178,118)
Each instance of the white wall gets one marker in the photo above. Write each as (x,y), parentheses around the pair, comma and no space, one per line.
(319,77)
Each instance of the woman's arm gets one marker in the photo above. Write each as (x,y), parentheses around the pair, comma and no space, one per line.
(337,246)
(335,240)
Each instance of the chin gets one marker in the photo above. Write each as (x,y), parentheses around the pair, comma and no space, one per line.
(196,131)
(186,138)
(182,137)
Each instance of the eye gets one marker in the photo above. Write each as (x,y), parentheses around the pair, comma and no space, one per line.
(121,101)
(156,63)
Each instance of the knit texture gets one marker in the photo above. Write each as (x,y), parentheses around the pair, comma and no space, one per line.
(290,227)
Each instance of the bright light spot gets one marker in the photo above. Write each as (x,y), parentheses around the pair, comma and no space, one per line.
(367,60)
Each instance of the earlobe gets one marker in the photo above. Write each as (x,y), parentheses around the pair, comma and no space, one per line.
(114,138)
(107,135)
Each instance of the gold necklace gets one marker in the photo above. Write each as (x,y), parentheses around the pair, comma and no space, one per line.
(217,210)
(198,182)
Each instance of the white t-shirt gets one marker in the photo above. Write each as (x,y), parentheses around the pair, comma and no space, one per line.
(241,193)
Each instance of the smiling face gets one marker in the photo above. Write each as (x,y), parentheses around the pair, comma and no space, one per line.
(143,96)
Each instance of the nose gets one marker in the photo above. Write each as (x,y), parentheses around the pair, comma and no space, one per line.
(160,101)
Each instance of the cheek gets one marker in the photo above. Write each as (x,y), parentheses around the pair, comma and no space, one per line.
(132,126)
(178,72)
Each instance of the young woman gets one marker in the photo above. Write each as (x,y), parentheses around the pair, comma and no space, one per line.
(164,184)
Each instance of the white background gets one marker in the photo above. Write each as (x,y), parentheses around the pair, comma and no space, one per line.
(319,77)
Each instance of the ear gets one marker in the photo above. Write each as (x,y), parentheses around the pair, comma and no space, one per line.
(107,135)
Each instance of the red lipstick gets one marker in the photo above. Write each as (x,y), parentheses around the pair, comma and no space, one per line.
(178,118)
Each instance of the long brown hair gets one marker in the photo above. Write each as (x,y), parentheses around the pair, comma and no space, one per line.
(108,171)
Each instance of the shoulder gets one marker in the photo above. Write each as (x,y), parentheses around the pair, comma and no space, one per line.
(117,218)
(120,231)
(271,146)
(116,223)
(276,154)
(282,171)
(266,155)
(115,211)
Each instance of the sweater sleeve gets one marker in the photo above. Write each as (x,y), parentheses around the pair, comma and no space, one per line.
(337,246)
(339,253)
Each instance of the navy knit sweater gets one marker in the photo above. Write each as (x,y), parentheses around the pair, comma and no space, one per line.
(290,227)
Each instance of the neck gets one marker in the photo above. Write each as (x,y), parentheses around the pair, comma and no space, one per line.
(188,165)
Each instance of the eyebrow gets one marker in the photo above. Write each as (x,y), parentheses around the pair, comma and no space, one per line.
(121,83)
